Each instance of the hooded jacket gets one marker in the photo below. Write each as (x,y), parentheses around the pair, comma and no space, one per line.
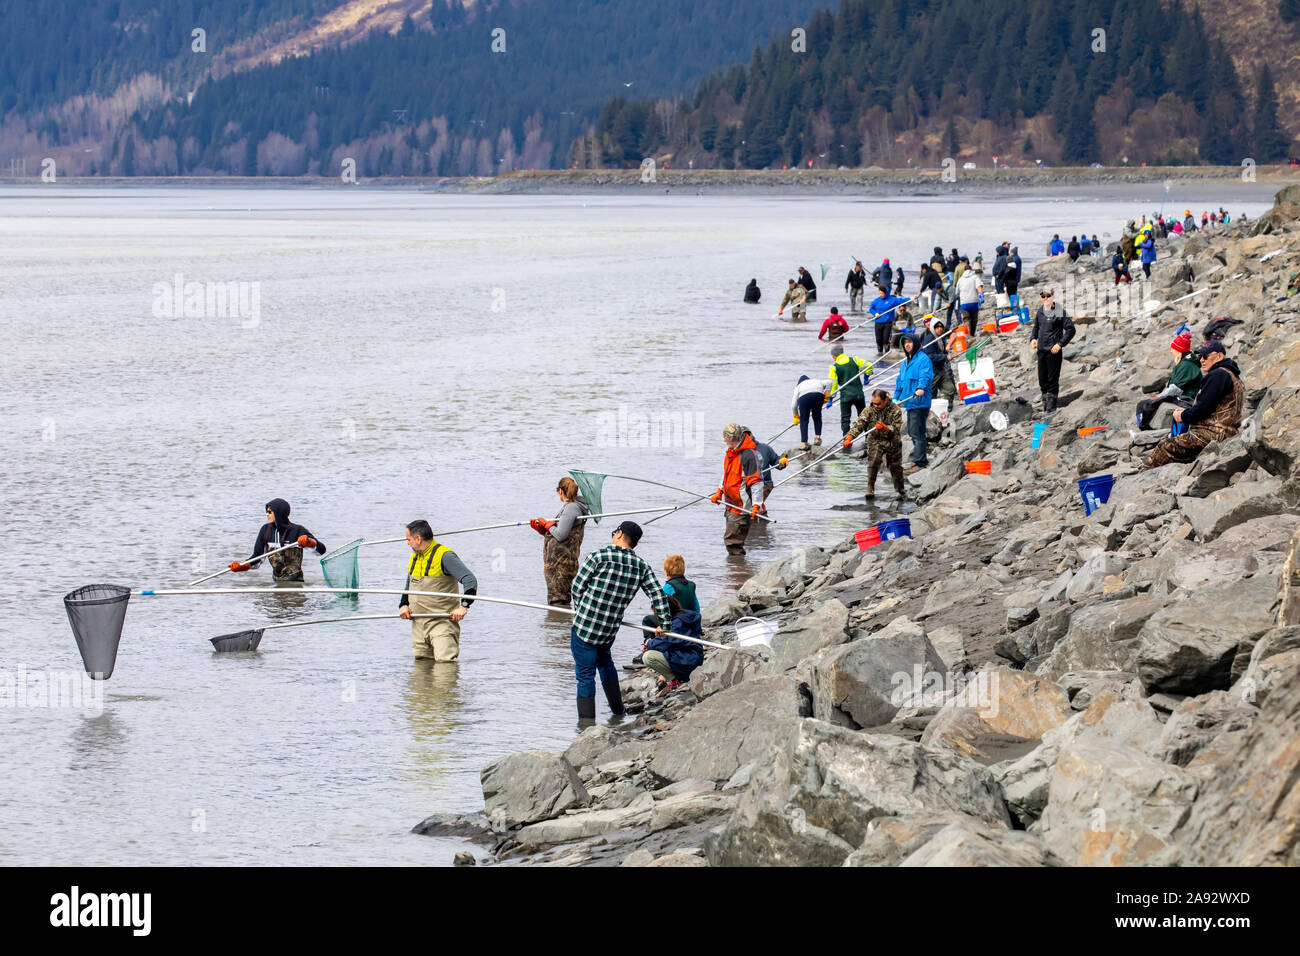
(856,279)
(937,350)
(1218,385)
(752,293)
(740,472)
(1000,261)
(273,536)
(915,372)
(884,275)
(808,386)
(882,307)
(683,656)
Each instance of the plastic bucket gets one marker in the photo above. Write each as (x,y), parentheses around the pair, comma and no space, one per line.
(982,467)
(1176,428)
(751,631)
(1085,432)
(1003,300)
(867,537)
(900,528)
(1039,428)
(1095,491)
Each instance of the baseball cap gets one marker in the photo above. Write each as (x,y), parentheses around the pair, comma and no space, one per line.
(1211,347)
(631,530)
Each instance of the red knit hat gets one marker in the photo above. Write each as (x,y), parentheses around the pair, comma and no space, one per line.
(1182,342)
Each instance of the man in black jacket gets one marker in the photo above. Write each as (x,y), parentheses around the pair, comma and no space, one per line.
(752,293)
(1073,250)
(1052,332)
(806,280)
(854,284)
(999,267)
(279,532)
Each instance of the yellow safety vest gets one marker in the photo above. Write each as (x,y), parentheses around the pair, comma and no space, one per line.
(430,561)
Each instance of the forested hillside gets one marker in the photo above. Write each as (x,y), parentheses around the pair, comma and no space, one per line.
(910,83)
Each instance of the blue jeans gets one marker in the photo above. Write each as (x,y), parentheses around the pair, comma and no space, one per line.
(587,659)
(916,418)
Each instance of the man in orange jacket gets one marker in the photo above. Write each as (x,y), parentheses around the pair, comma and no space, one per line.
(742,486)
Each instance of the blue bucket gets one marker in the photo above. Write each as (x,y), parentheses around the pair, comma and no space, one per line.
(1176,428)
(889,530)
(1039,428)
(1095,491)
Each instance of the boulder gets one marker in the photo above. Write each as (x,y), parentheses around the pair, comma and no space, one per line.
(1110,804)
(1102,636)
(1216,465)
(891,840)
(970,843)
(686,808)
(723,610)
(587,823)
(723,669)
(1090,578)
(1197,721)
(805,635)
(1189,647)
(949,644)
(1288,612)
(955,588)
(591,743)
(865,682)
(1111,716)
(1248,810)
(995,704)
(811,803)
(534,785)
(728,729)
(1216,513)
(1272,434)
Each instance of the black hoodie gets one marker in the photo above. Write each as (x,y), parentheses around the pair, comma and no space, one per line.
(1217,384)
(283,531)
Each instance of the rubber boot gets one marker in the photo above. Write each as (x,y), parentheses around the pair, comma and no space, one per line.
(1049,402)
(615,697)
(586,708)
(872,471)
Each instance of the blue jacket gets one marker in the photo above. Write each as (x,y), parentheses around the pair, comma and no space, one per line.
(916,372)
(683,656)
(767,457)
(1149,251)
(1057,247)
(882,305)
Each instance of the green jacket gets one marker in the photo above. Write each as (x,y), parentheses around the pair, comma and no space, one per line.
(1187,375)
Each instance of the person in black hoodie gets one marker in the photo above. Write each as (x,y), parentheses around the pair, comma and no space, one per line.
(1074,250)
(806,280)
(999,267)
(898,281)
(751,291)
(950,264)
(276,533)
(1216,414)
(1052,332)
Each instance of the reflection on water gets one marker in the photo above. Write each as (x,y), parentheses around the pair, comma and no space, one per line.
(432,704)
(98,741)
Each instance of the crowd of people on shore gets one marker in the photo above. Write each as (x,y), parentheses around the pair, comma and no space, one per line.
(1205,385)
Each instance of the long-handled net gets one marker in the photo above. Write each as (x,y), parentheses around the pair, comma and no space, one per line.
(97,613)
(339,566)
(247,640)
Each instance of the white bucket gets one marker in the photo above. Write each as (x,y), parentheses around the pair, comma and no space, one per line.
(750,632)
(940,408)
(1003,300)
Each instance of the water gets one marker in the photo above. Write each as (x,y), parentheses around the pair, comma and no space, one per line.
(416,355)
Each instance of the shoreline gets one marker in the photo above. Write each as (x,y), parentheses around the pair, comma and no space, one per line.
(865,182)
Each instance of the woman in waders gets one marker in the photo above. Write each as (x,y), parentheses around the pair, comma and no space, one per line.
(276,533)
(562,542)
(434,576)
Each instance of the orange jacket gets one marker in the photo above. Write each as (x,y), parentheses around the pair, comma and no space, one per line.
(740,470)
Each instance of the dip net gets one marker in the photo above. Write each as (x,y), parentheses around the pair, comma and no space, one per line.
(97,613)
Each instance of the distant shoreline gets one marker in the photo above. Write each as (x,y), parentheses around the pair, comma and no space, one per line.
(866,182)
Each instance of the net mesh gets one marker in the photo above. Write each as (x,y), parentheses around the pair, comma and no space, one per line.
(238,641)
(97,613)
(589,485)
(340,566)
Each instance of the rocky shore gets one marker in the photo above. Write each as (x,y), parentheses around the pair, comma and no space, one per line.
(1017,683)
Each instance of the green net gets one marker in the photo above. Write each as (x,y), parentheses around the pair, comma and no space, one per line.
(972,353)
(825,269)
(589,484)
(340,566)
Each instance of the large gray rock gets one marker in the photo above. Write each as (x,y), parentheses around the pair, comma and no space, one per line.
(534,785)
(805,635)
(891,840)
(1102,636)
(1113,715)
(1272,434)
(811,803)
(1248,811)
(1189,647)
(587,823)
(996,704)
(1112,805)
(1216,513)
(1197,721)
(591,743)
(723,610)
(785,573)
(723,669)
(1216,465)
(729,729)
(865,682)
(955,588)
(970,843)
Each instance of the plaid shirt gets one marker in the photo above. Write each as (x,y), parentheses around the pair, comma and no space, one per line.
(605,587)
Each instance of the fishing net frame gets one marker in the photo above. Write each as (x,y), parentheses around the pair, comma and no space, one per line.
(97,613)
(340,566)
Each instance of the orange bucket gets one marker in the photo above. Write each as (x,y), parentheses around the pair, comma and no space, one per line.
(983,467)
(959,341)
(990,326)
(1085,432)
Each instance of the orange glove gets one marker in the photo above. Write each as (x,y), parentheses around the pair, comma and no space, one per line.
(753,512)
(783,462)
(546,525)
(881,427)
(847,443)
(304,541)
(239,566)
(716,496)
(536,525)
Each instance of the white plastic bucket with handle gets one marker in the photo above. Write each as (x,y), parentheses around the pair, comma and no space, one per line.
(751,632)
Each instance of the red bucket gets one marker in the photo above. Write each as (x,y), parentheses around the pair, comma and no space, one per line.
(983,467)
(867,538)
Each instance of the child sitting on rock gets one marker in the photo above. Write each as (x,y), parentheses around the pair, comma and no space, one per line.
(672,658)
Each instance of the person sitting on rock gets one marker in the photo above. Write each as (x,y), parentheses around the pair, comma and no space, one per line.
(1185,380)
(1215,416)
(672,658)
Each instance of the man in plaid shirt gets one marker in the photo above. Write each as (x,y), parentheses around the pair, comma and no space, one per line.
(601,593)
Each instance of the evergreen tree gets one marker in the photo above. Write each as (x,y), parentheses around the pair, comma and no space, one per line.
(1269,142)
(1289,10)
(951,143)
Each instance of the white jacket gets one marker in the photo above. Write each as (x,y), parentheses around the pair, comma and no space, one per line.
(819,385)
(969,287)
